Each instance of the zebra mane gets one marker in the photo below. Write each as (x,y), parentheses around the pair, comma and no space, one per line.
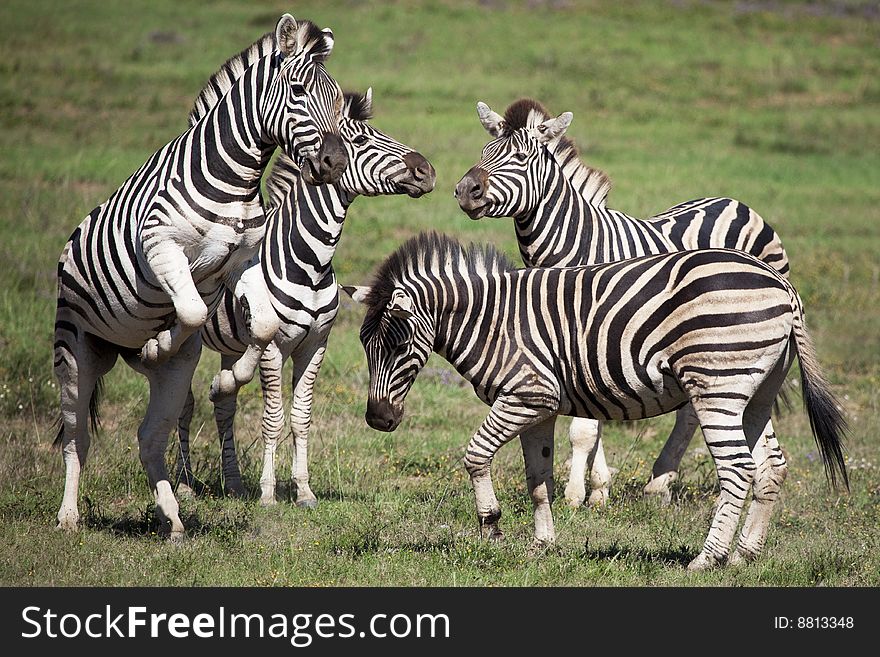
(311,38)
(432,250)
(593,184)
(356,106)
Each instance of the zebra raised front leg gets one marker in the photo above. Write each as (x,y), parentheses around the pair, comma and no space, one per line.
(171,268)
(506,419)
(537,447)
(249,288)
(306,366)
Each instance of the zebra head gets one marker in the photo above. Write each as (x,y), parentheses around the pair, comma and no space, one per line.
(302,107)
(397,338)
(379,164)
(516,165)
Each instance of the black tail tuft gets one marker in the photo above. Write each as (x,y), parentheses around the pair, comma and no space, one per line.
(828,424)
(94,417)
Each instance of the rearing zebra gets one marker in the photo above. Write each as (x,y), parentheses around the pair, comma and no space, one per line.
(304,228)
(625,340)
(530,171)
(142,273)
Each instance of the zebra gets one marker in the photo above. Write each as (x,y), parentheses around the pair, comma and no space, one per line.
(624,340)
(304,227)
(143,271)
(532,172)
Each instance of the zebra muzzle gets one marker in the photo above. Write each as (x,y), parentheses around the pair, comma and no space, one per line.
(470,192)
(382,415)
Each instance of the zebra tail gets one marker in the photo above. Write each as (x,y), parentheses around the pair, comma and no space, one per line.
(826,417)
(94,416)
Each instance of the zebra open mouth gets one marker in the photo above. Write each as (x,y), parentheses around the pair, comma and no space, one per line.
(310,172)
(476,212)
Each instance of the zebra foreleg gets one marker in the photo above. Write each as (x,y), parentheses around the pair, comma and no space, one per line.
(537,447)
(665,469)
(506,419)
(306,366)
(249,288)
(271,365)
(171,268)
(585,437)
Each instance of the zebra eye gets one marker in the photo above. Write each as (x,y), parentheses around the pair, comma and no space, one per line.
(519,156)
(360,140)
(298,90)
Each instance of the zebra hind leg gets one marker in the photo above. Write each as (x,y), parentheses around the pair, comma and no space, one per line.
(537,447)
(79,365)
(272,427)
(766,489)
(721,420)
(225,409)
(188,485)
(306,367)
(168,386)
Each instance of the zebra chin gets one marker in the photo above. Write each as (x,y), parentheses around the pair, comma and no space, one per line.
(382,415)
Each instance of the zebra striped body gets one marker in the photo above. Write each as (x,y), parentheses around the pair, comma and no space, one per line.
(626,340)
(304,227)
(142,272)
(533,173)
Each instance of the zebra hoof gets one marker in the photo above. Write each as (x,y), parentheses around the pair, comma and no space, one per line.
(741,558)
(308,503)
(176,537)
(68,525)
(268,501)
(184,492)
(659,489)
(575,497)
(157,350)
(703,562)
(598,498)
(222,386)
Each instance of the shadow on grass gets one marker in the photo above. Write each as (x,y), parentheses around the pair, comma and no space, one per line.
(673,556)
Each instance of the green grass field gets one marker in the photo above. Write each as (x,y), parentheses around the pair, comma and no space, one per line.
(776,104)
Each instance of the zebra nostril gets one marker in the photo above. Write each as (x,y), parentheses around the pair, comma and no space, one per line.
(476,191)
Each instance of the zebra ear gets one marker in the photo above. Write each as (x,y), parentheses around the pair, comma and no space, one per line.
(285,35)
(553,129)
(368,102)
(357,292)
(492,121)
(401,304)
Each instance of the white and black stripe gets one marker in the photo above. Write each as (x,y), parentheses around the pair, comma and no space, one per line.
(625,340)
(530,171)
(304,228)
(141,274)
